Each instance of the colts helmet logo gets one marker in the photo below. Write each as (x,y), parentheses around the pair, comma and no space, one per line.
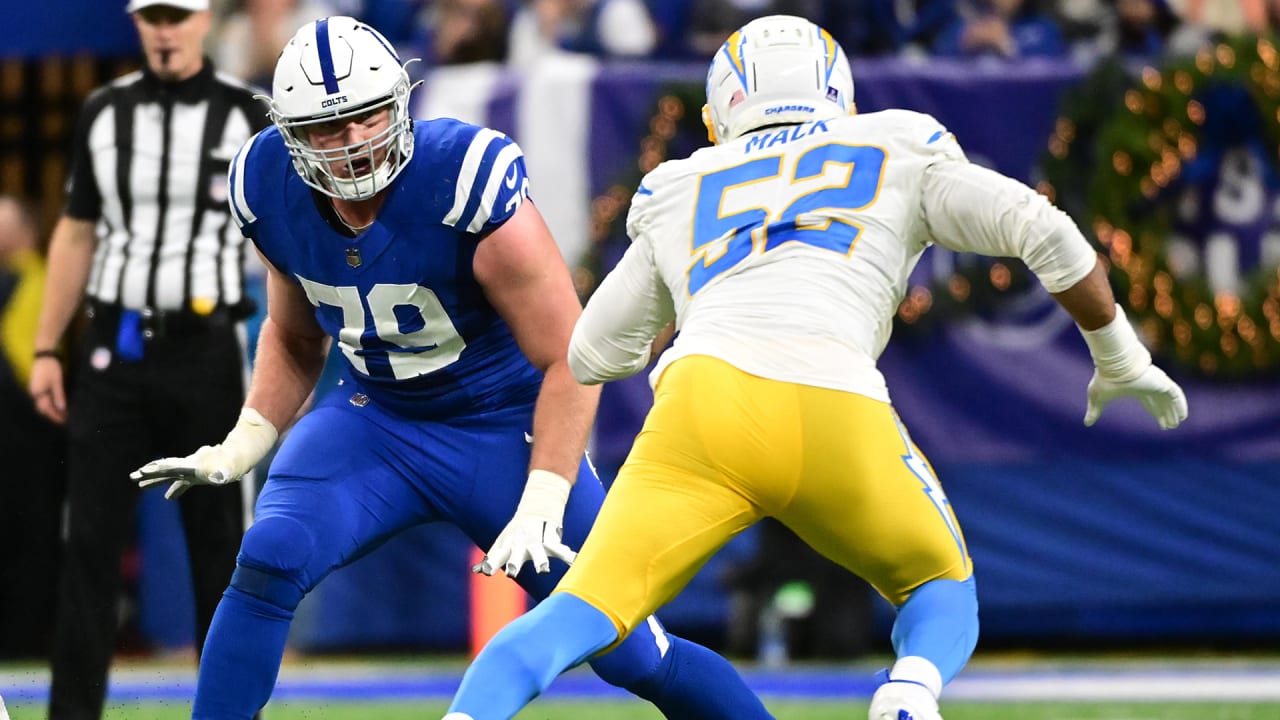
(353,257)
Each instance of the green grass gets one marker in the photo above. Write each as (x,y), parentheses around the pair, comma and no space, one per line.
(172,673)
(784,710)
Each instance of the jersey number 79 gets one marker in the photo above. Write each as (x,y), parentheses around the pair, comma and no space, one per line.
(406,323)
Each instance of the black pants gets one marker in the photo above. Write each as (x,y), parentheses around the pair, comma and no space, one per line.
(185,392)
(31,492)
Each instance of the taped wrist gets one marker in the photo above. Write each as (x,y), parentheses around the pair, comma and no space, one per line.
(545,495)
(248,442)
(1117,352)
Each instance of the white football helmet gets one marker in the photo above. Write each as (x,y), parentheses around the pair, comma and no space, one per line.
(776,70)
(336,68)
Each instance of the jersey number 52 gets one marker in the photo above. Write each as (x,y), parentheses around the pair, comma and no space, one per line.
(729,224)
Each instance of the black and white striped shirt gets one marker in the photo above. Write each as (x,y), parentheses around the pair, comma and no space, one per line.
(149,165)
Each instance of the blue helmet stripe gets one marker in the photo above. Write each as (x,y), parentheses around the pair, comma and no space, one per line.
(381,42)
(326,56)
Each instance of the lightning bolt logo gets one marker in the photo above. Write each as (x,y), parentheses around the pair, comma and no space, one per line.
(916,463)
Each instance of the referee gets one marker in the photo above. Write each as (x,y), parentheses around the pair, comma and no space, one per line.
(147,247)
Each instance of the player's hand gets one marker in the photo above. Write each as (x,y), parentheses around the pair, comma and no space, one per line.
(226,462)
(207,466)
(534,532)
(1160,395)
(47,390)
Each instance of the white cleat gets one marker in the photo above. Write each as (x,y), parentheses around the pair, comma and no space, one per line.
(903,701)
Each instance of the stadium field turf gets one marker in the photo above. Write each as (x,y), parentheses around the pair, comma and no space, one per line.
(1146,687)
(784,710)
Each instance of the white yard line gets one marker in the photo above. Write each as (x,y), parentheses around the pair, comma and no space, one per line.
(1228,680)
(1120,685)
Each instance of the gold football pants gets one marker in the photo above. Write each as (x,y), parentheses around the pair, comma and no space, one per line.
(722,449)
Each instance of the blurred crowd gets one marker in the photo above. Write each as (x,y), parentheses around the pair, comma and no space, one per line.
(519,32)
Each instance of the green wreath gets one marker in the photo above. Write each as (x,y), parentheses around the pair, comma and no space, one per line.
(1116,167)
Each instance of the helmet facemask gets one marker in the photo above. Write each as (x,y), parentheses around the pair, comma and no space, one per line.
(335,73)
(359,170)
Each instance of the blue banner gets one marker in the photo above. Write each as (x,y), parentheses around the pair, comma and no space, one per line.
(100,28)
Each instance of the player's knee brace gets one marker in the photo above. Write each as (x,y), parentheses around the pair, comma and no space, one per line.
(272,562)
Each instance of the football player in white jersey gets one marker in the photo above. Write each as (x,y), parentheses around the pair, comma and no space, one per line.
(781,254)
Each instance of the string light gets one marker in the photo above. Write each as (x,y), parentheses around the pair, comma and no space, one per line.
(1147,146)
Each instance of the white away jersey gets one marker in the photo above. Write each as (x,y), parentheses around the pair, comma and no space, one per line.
(786,252)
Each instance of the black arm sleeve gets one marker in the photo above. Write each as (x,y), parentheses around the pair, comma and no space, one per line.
(84,200)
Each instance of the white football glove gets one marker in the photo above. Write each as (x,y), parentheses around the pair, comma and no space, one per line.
(1158,394)
(246,444)
(534,532)
(1122,368)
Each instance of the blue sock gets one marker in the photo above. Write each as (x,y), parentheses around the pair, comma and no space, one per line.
(526,655)
(241,657)
(694,683)
(939,623)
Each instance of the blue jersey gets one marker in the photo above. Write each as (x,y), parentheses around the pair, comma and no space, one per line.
(401,299)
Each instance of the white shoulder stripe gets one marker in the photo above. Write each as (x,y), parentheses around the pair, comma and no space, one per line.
(467,173)
(239,204)
(497,176)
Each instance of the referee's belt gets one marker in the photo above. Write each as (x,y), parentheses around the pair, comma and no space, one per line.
(156,324)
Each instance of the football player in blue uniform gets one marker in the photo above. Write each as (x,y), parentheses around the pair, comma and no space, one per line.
(415,247)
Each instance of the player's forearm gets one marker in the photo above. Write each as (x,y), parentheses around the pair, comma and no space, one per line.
(70,257)
(286,369)
(1116,350)
(1090,301)
(562,421)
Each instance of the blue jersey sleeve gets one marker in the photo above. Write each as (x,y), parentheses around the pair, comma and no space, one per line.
(491,183)
(244,188)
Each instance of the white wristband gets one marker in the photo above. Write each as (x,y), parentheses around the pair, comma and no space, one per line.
(249,441)
(545,494)
(1117,352)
